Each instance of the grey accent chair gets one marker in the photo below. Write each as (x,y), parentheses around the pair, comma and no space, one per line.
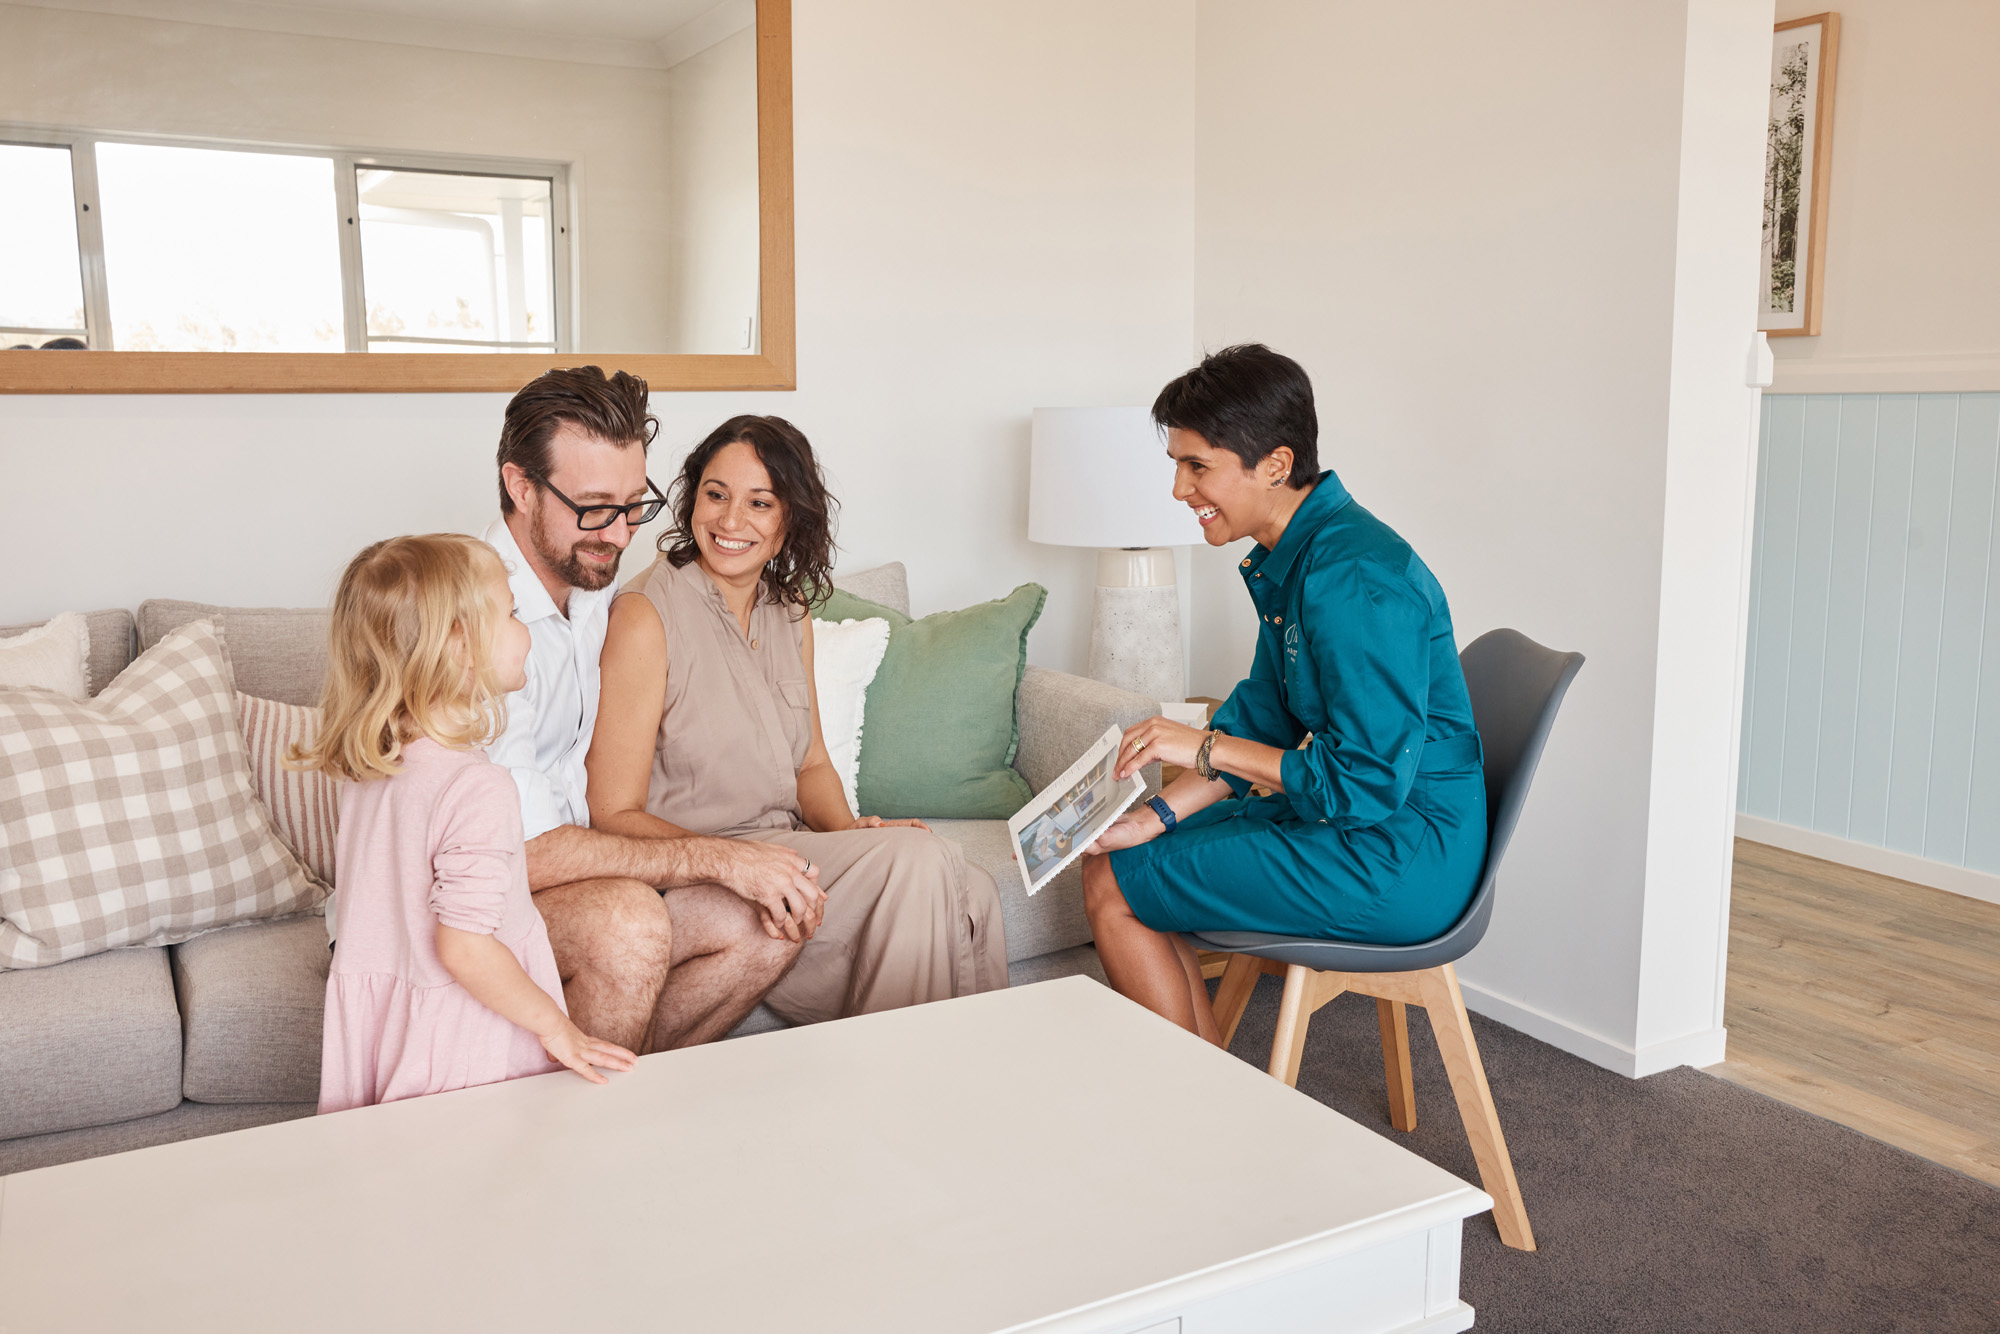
(1516,687)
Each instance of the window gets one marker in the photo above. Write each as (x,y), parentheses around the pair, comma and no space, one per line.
(208,251)
(41,273)
(456,262)
(152,245)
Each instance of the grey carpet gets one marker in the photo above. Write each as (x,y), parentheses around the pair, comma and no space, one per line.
(1676,1203)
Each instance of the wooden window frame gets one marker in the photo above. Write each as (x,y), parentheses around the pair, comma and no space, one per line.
(774,367)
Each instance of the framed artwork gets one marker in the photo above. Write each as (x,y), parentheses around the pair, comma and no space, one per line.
(1798,153)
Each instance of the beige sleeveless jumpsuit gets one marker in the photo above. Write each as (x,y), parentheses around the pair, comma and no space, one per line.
(908,919)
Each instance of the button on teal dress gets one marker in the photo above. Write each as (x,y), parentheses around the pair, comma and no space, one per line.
(1380,833)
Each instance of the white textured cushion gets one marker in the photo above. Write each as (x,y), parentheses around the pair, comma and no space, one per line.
(846,656)
(55,656)
(131,818)
(303,804)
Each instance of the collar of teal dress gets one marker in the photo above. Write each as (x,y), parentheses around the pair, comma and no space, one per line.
(1327,498)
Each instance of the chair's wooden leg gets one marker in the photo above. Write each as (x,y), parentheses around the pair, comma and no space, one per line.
(1305,991)
(1453,1028)
(1232,995)
(1394,1018)
(1288,1045)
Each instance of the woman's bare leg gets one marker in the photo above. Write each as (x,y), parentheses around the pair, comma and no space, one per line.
(1154,968)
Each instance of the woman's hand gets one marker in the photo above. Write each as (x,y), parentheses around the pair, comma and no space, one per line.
(1160,739)
(1134,827)
(877,822)
(581,1052)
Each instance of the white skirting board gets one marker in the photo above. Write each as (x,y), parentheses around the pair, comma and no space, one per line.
(1868,857)
(1696,1049)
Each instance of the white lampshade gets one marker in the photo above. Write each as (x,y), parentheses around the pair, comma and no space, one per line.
(1100,477)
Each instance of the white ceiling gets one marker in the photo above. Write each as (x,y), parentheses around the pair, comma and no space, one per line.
(647,33)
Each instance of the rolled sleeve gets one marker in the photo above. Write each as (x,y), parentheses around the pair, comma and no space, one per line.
(1255,710)
(478,844)
(1368,634)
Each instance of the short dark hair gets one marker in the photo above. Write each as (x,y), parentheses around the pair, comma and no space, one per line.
(1248,400)
(802,572)
(610,408)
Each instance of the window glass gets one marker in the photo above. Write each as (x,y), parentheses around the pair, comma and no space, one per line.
(41,280)
(456,263)
(210,250)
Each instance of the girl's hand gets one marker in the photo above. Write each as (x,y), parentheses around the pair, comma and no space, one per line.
(877,822)
(1134,827)
(579,1051)
(1159,739)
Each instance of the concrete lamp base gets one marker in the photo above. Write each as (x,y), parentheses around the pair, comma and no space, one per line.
(1135,632)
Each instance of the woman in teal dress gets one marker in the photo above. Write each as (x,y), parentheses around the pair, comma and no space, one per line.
(1354,717)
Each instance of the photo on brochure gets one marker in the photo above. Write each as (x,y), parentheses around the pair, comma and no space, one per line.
(1052,830)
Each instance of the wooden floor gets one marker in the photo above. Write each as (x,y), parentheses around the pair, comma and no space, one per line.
(1869,1001)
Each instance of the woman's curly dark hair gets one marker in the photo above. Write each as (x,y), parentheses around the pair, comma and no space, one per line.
(801,573)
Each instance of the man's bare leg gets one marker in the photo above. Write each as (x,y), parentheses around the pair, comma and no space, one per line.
(614,944)
(723,963)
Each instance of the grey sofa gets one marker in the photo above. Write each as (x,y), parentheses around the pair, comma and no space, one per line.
(143,1046)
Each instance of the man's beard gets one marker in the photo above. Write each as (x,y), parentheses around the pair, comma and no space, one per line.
(571,570)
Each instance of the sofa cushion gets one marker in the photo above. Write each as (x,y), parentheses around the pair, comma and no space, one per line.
(1051,920)
(940,734)
(887,584)
(278,652)
(88,1042)
(190,1120)
(252,1001)
(54,656)
(304,804)
(130,819)
(110,643)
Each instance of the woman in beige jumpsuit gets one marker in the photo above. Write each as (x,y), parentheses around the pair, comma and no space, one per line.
(708,724)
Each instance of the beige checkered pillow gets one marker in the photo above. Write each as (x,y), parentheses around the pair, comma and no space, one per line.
(130,819)
(303,804)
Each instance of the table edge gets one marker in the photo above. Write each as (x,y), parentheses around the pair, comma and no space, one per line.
(1455,1206)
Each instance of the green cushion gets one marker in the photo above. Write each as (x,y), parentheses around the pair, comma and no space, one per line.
(939,735)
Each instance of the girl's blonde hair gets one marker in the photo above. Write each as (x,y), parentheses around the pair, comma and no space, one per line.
(408,655)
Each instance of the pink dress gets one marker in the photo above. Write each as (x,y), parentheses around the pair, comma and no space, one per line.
(439,842)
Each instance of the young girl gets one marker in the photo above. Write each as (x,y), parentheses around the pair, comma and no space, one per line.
(443,977)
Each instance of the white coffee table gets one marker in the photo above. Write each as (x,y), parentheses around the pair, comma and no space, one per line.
(1051,1158)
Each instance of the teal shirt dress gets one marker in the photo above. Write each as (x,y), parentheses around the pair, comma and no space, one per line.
(1380,833)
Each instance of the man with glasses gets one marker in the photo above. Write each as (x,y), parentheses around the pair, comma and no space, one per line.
(661,942)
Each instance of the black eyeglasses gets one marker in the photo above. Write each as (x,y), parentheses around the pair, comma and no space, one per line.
(592,518)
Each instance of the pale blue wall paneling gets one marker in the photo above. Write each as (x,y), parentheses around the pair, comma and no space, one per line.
(1872,682)
(1882,617)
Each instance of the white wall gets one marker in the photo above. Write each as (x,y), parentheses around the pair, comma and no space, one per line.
(1476,227)
(712,249)
(1912,271)
(975,238)
(75,70)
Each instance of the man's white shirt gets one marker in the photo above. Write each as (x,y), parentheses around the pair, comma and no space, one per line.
(550,721)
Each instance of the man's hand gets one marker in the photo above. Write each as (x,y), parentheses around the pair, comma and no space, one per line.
(781,882)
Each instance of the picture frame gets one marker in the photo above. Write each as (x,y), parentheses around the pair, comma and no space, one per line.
(1798,159)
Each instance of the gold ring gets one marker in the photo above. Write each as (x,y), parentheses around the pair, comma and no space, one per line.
(1138,745)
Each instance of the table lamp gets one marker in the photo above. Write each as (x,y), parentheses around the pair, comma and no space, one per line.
(1100,477)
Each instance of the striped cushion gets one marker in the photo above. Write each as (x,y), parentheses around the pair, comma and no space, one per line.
(131,818)
(303,805)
